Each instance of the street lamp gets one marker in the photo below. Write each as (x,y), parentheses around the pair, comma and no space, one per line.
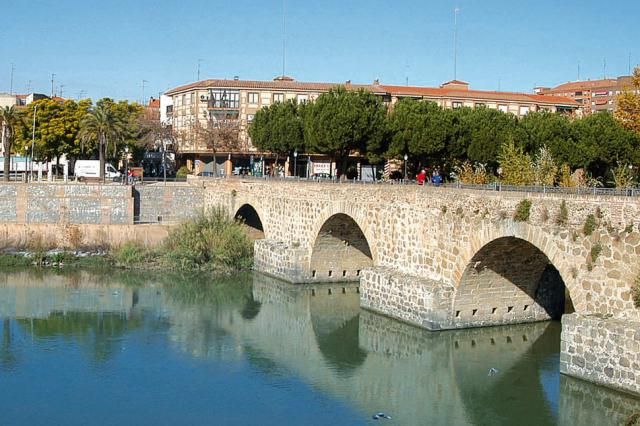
(406,157)
(295,162)
(33,139)
(126,164)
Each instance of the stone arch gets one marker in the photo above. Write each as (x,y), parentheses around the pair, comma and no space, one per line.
(251,219)
(340,249)
(533,235)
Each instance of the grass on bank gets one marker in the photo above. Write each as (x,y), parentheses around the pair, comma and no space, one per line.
(210,242)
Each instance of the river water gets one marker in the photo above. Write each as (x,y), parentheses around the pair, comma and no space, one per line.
(115,348)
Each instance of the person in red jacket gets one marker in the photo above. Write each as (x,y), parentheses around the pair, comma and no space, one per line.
(421,177)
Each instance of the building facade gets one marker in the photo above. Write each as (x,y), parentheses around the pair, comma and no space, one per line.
(193,106)
(591,95)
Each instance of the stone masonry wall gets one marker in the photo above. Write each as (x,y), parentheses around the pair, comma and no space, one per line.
(602,350)
(167,203)
(65,203)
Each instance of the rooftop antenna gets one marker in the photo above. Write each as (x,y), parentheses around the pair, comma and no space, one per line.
(629,64)
(199,62)
(284,35)
(29,86)
(143,83)
(61,89)
(407,73)
(455,42)
(53,76)
(604,69)
(578,70)
(13,68)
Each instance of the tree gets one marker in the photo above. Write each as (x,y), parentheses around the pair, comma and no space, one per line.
(102,126)
(516,166)
(56,131)
(628,105)
(602,143)
(420,129)
(552,130)
(10,119)
(340,122)
(220,134)
(279,128)
(484,131)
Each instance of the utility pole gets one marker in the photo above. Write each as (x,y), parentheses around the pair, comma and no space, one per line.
(53,76)
(455,42)
(13,68)
(61,88)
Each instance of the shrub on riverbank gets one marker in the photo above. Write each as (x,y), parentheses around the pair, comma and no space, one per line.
(212,241)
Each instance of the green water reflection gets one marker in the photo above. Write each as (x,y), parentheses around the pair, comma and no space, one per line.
(316,335)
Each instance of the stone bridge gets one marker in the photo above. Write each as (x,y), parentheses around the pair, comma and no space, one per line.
(445,258)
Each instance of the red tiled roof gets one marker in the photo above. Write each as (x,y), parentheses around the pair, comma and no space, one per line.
(22,96)
(154,103)
(443,92)
(584,85)
(458,82)
(427,92)
(271,85)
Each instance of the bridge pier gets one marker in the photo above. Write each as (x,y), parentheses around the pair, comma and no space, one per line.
(281,260)
(419,301)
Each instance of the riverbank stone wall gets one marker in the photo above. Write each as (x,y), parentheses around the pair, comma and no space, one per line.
(602,349)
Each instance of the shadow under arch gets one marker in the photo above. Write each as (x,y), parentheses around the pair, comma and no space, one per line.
(248,215)
(509,280)
(340,250)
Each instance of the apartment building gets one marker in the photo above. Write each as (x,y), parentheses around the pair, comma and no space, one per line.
(591,95)
(190,106)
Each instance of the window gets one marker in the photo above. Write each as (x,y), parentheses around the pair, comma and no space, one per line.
(221,98)
(278,97)
(456,104)
(480,105)
(524,110)
(503,108)
(250,117)
(303,99)
(253,98)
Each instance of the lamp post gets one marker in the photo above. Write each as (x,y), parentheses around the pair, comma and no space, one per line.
(33,139)
(295,162)
(126,164)
(406,157)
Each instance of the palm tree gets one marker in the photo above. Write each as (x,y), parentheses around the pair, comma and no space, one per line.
(9,117)
(103,126)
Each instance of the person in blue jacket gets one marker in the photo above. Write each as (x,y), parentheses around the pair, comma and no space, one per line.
(436,179)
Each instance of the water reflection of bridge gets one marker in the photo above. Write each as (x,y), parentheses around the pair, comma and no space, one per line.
(320,334)
(374,363)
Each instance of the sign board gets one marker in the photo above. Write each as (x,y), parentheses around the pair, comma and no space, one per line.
(136,171)
(321,168)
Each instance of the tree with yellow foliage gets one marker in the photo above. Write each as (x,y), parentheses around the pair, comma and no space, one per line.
(628,105)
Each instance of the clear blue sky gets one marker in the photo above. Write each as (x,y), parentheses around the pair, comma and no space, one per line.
(106,48)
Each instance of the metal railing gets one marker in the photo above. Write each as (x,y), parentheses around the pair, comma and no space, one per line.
(494,187)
